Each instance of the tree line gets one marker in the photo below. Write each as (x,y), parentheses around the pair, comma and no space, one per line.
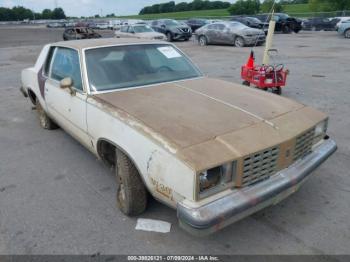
(183,6)
(250,7)
(20,13)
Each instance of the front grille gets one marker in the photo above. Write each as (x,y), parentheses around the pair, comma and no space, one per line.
(259,166)
(303,145)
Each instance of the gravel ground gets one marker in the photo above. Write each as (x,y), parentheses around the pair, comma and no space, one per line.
(56,198)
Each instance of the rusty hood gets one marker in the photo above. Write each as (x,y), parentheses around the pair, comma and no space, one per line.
(196,115)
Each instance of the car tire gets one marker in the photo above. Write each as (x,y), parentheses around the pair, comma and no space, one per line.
(131,192)
(169,37)
(277,90)
(286,29)
(203,41)
(347,33)
(246,83)
(45,121)
(239,42)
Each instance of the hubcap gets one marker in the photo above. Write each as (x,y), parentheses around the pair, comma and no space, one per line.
(239,42)
(202,41)
(347,34)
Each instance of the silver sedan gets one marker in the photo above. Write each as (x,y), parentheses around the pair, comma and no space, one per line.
(233,33)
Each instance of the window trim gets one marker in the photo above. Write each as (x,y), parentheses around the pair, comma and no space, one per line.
(84,91)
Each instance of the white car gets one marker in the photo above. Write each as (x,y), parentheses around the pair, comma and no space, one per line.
(213,150)
(139,31)
(342,19)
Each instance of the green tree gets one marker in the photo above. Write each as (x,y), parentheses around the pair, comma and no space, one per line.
(266,6)
(58,13)
(46,14)
(245,7)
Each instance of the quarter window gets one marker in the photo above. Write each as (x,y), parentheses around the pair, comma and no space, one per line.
(66,64)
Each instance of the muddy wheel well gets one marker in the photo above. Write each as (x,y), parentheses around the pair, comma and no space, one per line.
(106,151)
(32,96)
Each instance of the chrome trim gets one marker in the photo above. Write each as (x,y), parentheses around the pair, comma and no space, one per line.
(244,202)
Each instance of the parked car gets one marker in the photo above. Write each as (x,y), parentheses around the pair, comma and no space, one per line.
(252,22)
(233,33)
(344,29)
(319,23)
(77,33)
(342,19)
(55,25)
(284,23)
(139,31)
(196,23)
(213,150)
(102,26)
(173,29)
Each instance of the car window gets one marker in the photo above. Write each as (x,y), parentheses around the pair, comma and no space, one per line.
(220,27)
(211,27)
(117,67)
(124,29)
(131,29)
(66,64)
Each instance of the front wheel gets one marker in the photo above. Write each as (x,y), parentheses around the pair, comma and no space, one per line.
(239,41)
(246,83)
(347,33)
(203,40)
(45,121)
(131,192)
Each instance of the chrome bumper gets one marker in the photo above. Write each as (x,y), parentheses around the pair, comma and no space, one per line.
(244,202)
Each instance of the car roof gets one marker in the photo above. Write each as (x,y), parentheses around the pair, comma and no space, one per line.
(100,42)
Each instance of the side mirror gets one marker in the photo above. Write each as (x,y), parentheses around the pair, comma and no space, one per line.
(67,83)
(162,26)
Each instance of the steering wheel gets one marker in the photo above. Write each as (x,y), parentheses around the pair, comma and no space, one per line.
(164,68)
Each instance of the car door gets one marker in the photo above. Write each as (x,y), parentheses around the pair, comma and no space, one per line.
(67,109)
(224,35)
(211,33)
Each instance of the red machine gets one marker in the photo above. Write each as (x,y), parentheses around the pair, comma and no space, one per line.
(265,77)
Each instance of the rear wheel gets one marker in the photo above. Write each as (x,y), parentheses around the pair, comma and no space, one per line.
(169,37)
(347,33)
(239,41)
(45,121)
(131,192)
(286,29)
(203,41)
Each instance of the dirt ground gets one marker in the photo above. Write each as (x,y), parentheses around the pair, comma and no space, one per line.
(56,198)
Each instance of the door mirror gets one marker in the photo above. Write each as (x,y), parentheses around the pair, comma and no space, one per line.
(162,26)
(67,83)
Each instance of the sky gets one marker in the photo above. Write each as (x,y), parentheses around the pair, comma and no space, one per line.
(88,7)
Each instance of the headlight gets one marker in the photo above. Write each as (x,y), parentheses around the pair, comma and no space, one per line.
(320,131)
(212,179)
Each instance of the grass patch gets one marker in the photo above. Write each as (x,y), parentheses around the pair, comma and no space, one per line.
(183,15)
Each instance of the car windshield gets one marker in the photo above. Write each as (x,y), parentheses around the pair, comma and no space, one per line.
(118,67)
(142,29)
(253,19)
(283,16)
(171,22)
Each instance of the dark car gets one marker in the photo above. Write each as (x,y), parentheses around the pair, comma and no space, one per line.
(252,22)
(76,33)
(319,23)
(173,29)
(196,23)
(284,23)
